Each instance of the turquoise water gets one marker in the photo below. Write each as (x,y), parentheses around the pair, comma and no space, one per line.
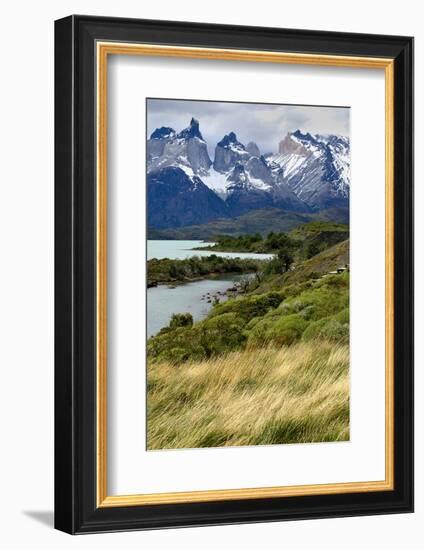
(179,250)
(163,301)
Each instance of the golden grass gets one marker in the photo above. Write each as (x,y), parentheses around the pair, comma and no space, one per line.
(295,394)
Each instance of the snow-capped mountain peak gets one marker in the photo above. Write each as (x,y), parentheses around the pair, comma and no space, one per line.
(292,144)
(315,167)
(165,132)
(228,152)
(230,141)
(309,172)
(187,149)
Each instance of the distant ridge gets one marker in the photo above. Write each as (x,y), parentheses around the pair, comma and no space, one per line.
(310,174)
(257,221)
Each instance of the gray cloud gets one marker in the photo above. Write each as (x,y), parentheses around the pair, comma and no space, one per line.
(264,124)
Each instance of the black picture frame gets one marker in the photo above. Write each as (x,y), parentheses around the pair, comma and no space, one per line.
(76,508)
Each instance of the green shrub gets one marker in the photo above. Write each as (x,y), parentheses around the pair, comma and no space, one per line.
(176,345)
(287,330)
(316,303)
(281,263)
(334,328)
(343,316)
(281,315)
(181,320)
(166,270)
(312,249)
(280,331)
(208,338)
(253,322)
(221,334)
(249,307)
(334,281)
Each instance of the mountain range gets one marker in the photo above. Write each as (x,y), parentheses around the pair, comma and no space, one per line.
(308,174)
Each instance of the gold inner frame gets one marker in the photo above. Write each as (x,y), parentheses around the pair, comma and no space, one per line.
(104,49)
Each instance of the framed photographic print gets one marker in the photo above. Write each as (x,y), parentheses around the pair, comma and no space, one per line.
(234,274)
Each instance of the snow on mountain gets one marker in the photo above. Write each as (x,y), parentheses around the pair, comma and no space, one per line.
(163,133)
(228,152)
(309,173)
(244,194)
(316,168)
(230,156)
(289,163)
(177,199)
(187,148)
(216,181)
(257,173)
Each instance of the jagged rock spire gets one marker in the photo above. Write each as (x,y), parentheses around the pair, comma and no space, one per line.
(163,132)
(191,131)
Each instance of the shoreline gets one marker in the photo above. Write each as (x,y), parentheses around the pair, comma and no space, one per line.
(176,272)
(210,276)
(213,248)
(199,296)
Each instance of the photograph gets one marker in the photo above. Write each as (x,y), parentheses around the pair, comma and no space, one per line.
(233,325)
(247,273)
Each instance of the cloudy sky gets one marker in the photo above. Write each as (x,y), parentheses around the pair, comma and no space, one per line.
(264,124)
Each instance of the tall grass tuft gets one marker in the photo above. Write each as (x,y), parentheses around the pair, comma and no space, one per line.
(291,394)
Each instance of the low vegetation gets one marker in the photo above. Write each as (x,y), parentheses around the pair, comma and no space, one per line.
(284,394)
(254,321)
(309,270)
(315,237)
(269,365)
(256,221)
(273,242)
(302,243)
(196,267)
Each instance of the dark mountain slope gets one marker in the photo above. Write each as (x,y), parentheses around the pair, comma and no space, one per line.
(175,199)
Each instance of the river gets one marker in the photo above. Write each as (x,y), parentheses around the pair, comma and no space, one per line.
(163,301)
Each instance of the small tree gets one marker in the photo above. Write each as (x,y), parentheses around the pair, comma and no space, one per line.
(181,320)
(245,284)
(286,259)
(281,263)
(173,272)
(312,250)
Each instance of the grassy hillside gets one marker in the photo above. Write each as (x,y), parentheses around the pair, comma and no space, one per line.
(258,221)
(313,309)
(330,259)
(297,394)
(316,228)
(308,270)
(268,366)
(318,236)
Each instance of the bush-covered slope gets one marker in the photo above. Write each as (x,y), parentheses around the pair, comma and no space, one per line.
(306,241)
(308,270)
(266,367)
(195,267)
(273,318)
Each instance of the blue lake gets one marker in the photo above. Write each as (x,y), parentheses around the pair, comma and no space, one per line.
(179,250)
(163,301)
